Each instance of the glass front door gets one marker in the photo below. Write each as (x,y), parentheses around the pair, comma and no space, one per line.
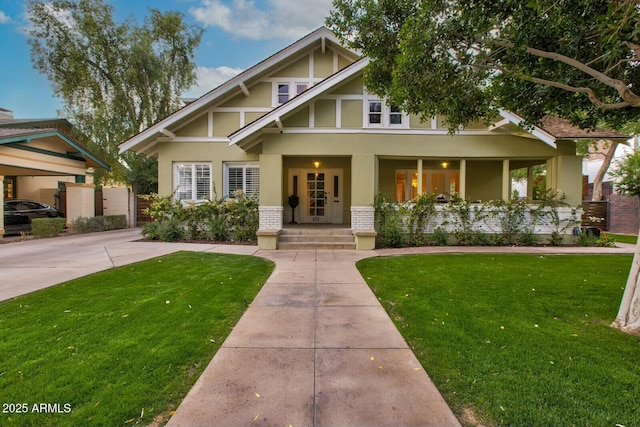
(316,196)
(320,193)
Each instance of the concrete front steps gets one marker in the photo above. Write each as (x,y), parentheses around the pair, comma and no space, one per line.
(316,237)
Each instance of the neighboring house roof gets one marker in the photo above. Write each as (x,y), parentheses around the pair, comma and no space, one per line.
(20,138)
(235,85)
(562,129)
(30,123)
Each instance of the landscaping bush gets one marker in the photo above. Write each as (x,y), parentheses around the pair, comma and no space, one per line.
(233,219)
(99,223)
(425,221)
(48,227)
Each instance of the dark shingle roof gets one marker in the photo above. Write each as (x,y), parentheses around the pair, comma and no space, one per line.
(562,129)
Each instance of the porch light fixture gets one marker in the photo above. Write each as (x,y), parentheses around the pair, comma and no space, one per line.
(444,164)
(316,164)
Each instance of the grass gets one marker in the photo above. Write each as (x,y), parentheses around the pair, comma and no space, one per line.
(520,340)
(624,238)
(122,346)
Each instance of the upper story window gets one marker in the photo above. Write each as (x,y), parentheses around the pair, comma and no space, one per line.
(380,114)
(192,181)
(287,90)
(375,112)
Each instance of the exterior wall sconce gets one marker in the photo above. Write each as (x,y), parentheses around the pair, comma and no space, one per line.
(316,164)
(444,164)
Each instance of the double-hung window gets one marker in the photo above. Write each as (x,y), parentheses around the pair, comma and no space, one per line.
(192,181)
(380,114)
(243,177)
(287,90)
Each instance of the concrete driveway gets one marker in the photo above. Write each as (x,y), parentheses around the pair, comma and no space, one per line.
(31,265)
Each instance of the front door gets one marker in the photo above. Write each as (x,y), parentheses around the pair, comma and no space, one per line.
(320,193)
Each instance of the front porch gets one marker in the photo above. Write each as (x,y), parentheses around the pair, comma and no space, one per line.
(341,190)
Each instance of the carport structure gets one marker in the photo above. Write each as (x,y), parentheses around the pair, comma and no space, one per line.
(40,148)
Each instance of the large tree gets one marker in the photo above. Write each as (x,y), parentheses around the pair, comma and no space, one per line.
(114,78)
(576,59)
(628,174)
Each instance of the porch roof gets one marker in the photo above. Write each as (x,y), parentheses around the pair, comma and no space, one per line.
(20,138)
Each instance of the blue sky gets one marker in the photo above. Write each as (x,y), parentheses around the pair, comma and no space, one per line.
(238,34)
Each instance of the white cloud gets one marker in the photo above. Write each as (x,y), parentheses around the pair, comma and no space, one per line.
(210,78)
(4,18)
(278,19)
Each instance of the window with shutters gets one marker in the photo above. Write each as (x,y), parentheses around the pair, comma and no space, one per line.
(243,177)
(192,181)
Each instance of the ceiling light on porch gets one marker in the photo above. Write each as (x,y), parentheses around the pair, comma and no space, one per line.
(444,164)
(316,164)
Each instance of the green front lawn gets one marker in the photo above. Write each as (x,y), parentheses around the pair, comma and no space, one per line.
(122,346)
(519,340)
(623,238)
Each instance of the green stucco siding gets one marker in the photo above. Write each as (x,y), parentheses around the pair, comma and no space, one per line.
(351,87)
(325,114)
(299,119)
(225,124)
(259,97)
(299,69)
(250,117)
(343,62)
(484,180)
(323,63)
(198,127)
(416,123)
(351,114)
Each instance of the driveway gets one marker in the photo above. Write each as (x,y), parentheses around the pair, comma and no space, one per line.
(35,264)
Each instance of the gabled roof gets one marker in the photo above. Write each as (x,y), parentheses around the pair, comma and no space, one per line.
(235,84)
(20,138)
(300,100)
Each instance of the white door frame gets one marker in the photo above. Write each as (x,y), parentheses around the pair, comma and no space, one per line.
(334,194)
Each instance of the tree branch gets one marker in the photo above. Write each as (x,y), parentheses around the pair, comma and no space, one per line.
(630,98)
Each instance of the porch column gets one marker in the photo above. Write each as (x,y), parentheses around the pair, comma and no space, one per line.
(530,183)
(364,178)
(564,175)
(420,190)
(271,201)
(1,207)
(506,181)
(462,192)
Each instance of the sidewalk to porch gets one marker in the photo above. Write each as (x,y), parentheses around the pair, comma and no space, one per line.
(314,348)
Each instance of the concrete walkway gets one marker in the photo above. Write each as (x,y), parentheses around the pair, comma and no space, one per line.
(315,348)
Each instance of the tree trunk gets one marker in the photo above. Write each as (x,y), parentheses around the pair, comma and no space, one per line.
(597,180)
(628,319)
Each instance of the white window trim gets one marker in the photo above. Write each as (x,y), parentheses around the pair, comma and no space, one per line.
(244,166)
(386,116)
(293,89)
(176,180)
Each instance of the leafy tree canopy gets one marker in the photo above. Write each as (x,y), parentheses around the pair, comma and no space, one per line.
(627,173)
(576,59)
(115,79)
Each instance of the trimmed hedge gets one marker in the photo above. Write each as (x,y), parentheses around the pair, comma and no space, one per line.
(99,223)
(48,227)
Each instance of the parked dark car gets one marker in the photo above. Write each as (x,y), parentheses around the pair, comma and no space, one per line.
(19,213)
